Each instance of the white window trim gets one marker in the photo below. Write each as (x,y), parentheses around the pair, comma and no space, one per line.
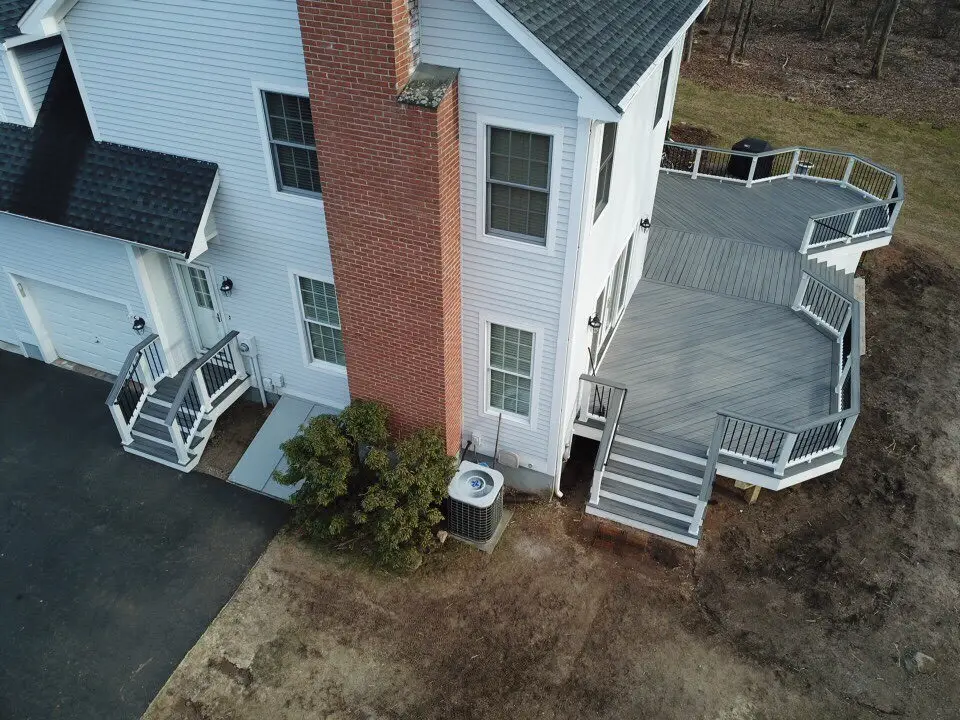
(553,207)
(259,87)
(19,86)
(306,352)
(486,320)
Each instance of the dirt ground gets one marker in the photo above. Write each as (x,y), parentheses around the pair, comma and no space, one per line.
(233,433)
(812,603)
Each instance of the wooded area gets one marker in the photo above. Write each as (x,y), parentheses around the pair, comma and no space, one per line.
(869,23)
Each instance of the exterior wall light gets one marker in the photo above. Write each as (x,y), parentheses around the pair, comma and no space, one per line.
(594,322)
(226,287)
(139,325)
(645,223)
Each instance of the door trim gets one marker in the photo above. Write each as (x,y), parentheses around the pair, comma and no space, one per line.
(186,305)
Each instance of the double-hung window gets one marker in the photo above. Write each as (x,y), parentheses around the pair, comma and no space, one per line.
(664,81)
(510,370)
(606,167)
(518,184)
(292,144)
(321,320)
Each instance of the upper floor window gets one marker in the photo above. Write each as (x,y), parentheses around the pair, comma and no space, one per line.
(294,150)
(510,370)
(518,184)
(606,167)
(664,81)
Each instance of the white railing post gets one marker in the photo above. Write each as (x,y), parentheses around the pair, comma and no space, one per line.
(852,230)
(807,236)
(753,170)
(845,431)
(783,457)
(801,291)
(794,163)
(177,437)
(239,368)
(146,372)
(848,172)
(894,215)
(696,163)
(595,487)
(205,402)
(125,437)
(584,410)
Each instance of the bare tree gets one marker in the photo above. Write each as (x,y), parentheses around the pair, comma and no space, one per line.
(872,23)
(723,15)
(688,44)
(746,29)
(826,16)
(884,39)
(736,30)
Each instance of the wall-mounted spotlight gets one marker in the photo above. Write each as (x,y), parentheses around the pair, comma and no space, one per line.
(594,322)
(139,325)
(226,287)
(645,223)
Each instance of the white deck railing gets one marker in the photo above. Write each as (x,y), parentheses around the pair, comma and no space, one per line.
(882,188)
(779,447)
(143,368)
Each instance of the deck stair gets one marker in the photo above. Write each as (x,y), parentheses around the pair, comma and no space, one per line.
(170,419)
(653,483)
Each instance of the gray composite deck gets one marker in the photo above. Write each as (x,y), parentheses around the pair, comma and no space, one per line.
(771,213)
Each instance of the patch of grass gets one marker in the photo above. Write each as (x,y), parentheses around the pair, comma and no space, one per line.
(928,156)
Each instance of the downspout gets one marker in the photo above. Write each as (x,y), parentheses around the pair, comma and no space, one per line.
(583,230)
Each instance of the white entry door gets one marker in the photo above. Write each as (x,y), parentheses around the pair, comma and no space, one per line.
(202,309)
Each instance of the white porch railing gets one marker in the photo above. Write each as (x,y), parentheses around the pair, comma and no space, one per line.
(602,400)
(882,187)
(144,367)
(206,379)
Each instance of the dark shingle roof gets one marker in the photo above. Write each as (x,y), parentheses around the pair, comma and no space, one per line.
(608,43)
(58,173)
(10,13)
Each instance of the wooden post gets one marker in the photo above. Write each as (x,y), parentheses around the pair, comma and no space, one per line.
(750,492)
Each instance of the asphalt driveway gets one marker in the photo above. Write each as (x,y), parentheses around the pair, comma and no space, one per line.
(111,566)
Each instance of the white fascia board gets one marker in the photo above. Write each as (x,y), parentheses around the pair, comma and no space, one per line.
(44,16)
(203,235)
(663,53)
(591,105)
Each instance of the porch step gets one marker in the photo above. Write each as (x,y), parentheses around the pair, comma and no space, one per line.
(628,433)
(650,494)
(651,473)
(166,390)
(153,411)
(656,524)
(667,462)
(155,451)
(155,431)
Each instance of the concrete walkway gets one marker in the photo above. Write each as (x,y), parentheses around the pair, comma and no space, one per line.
(111,567)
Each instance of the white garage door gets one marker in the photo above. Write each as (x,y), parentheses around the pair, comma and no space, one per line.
(85,329)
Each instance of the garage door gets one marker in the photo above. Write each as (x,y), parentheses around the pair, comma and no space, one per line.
(84,329)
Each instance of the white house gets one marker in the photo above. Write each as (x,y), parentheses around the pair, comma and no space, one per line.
(477,222)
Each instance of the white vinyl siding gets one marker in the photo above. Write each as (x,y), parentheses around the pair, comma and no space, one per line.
(510,369)
(37,63)
(157,67)
(9,107)
(520,283)
(321,318)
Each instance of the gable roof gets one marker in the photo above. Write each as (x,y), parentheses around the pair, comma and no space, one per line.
(10,13)
(57,173)
(608,43)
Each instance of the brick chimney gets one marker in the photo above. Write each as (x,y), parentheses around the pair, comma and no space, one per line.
(388,148)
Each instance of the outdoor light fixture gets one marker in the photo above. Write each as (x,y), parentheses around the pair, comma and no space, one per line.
(139,324)
(226,287)
(594,322)
(645,223)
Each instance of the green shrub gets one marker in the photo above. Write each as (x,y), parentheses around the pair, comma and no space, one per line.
(358,485)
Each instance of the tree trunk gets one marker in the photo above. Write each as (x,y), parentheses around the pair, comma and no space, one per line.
(827,17)
(705,15)
(872,24)
(688,44)
(736,30)
(884,39)
(746,29)
(723,16)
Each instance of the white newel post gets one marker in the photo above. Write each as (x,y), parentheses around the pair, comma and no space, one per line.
(852,230)
(585,400)
(595,487)
(753,170)
(848,172)
(238,365)
(845,431)
(807,236)
(696,163)
(794,163)
(202,393)
(801,291)
(125,437)
(789,441)
(177,437)
(143,366)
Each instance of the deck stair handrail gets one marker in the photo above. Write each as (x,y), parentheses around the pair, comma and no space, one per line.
(778,446)
(205,379)
(882,186)
(615,394)
(143,368)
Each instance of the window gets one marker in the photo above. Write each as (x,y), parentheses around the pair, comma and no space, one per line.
(200,287)
(611,302)
(510,369)
(518,184)
(290,129)
(606,167)
(321,319)
(664,81)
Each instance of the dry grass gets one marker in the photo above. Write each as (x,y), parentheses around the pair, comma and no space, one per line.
(928,158)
